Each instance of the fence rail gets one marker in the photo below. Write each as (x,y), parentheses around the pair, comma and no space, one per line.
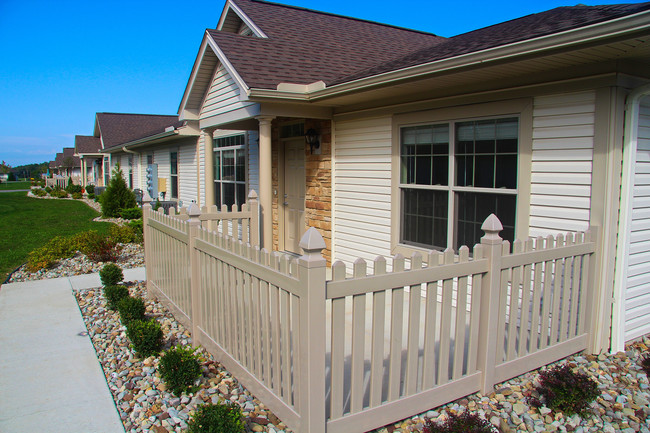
(367,349)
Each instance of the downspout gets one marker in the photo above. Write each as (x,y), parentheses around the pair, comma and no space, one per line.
(625,215)
(139,164)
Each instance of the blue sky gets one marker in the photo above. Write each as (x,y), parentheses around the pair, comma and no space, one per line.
(63,61)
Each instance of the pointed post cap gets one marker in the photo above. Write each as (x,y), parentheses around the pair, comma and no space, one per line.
(193,210)
(146,197)
(491,226)
(312,244)
(252,195)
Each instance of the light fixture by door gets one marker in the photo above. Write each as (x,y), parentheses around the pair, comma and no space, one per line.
(312,139)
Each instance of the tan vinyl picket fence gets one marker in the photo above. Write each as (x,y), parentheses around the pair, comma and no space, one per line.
(365,350)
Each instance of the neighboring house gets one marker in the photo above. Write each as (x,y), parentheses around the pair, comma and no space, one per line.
(70,165)
(88,148)
(137,141)
(416,138)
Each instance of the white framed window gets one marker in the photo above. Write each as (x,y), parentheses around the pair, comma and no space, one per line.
(173,170)
(454,174)
(230,170)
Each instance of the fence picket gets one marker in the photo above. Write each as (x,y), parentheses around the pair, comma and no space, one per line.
(378,329)
(502,347)
(575,289)
(524,331)
(338,344)
(477,292)
(537,303)
(557,293)
(445,325)
(566,290)
(461,318)
(413,342)
(396,323)
(514,310)
(358,341)
(429,356)
(549,270)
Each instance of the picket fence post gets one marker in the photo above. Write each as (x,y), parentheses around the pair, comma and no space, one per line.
(254,226)
(312,276)
(194,224)
(148,265)
(489,310)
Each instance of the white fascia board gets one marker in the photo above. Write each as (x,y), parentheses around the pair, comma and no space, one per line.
(141,141)
(589,34)
(226,64)
(195,70)
(251,25)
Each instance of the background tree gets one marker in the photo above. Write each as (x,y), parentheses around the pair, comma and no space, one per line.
(117,195)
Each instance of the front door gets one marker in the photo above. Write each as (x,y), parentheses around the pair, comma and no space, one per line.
(294,194)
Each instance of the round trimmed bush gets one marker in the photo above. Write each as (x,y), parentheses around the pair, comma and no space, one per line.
(146,336)
(132,213)
(466,422)
(565,390)
(179,368)
(114,294)
(217,418)
(111,274)
(130,309)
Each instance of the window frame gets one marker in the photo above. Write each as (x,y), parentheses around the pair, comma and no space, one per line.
(520,108)
(173,176)
(218,162)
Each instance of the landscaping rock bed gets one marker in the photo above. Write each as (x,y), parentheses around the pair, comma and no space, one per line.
(144,404)
(131,256)
(141,398)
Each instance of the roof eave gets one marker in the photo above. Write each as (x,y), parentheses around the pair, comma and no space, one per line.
(612,29)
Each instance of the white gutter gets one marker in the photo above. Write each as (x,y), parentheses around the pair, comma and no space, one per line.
(619,27)
(632,104)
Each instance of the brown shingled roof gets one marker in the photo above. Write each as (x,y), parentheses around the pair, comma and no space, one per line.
(120,128)
(87,144)
(317,46)
(68,152)
(553,21)
(58,160)
(305,46)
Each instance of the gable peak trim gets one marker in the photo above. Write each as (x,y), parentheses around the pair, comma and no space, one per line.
(231,6)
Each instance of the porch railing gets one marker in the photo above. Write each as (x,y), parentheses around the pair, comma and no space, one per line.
(364,350)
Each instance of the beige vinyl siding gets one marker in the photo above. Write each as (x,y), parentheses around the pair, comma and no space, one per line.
(187,173)
(201,170)
(637,291)
(161,157)
(362,189)
(563,142)
(222,96)
(253,161)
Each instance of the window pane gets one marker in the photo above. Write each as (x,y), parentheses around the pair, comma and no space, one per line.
(217,166)
(419,144)
(228,194)
(423,168)
(424,221)
(228,164)
(506,172)
(241,165)
(174,186)
(217,194)
(173,159)
(473,208)
(484,171)
(440,170)
(241,194)
(464,170)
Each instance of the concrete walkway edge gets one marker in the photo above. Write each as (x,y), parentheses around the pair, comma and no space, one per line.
(50,377)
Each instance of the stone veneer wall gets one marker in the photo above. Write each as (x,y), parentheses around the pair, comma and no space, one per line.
(318,183)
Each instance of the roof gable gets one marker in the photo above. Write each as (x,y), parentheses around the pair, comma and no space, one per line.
(234,20)
(118,128)
(87,144)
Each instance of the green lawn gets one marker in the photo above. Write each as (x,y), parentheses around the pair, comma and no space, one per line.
(28,223)
(15,185)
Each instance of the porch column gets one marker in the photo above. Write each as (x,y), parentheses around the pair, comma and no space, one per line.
(83,172)
(208,152)
(266,182)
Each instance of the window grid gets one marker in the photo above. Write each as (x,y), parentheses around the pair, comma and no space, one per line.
(173,170)
(458,191)
(230,170)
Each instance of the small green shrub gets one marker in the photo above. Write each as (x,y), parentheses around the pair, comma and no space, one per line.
(91,196)
(156,205)
(565,391)
(179,368)
(72,188)
(130,309)
(39,192)
(77,195)
(138,233)
(57,248)
(48,189)
(122,234)
(117,195)
(466,422)
(59,193)
(146,336)
(132,213)
(111,274)
(90,189)
(114,293)
(217,418)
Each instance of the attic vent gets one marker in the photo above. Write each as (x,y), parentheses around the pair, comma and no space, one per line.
(244,30)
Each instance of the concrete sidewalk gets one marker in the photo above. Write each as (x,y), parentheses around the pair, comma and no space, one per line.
(50,378)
